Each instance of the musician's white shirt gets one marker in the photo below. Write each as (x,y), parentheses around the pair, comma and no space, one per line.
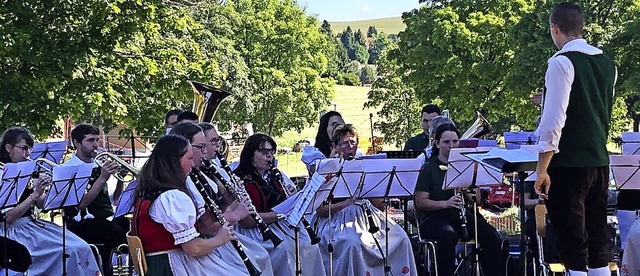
(171,209)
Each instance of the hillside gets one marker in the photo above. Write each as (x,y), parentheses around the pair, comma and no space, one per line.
(391,25)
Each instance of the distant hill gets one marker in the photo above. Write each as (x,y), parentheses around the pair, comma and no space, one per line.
(391,25)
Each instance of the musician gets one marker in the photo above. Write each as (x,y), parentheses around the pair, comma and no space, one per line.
(43,239)
(95,223)
(258,254)
(355,249)
(434,124)
(422,140)
(233,211)
(165,217)
(170,119)
(188,116)
(631,257)
(438,211)
(267,191)
(323,147)
(573,131)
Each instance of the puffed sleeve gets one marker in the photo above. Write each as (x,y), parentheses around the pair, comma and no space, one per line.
(311,155)
(176,212)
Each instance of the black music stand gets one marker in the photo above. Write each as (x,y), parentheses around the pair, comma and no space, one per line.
(304,201)
(126,200)
(15,178)
(53,151)
(384,179)
(509,161)
(402,154)
(69,184)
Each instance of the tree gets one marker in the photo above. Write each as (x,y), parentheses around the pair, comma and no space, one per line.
(367,74)
(361,54)
(377,46)
(372,31)
(359,37)
(348,42)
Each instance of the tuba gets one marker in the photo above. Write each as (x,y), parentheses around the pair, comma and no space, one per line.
(479,128)
(206,100)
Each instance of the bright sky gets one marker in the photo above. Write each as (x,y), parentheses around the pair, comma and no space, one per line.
(353,10)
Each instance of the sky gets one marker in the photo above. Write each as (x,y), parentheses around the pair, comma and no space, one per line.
(354,10)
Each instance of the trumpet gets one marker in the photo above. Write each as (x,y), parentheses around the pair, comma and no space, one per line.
(40,163)
(125,173)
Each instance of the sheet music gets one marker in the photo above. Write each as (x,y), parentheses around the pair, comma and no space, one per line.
(626,171)
(126,200)
(511,139)
(15,178)
(377,175)
(509,155)
(533,149)
(54,151)
(460,170)
(69,186)
(630,143)
(350,178)
(304,201)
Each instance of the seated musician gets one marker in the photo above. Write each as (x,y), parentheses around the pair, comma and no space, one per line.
(233,211)
(256,252)
(421,141)
(356,251)
(170,119)
(266,191)
(43,239)
(165,217)
(95,223)
(439,211)
(631,257)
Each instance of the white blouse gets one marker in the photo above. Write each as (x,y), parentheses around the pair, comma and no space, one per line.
(176,211)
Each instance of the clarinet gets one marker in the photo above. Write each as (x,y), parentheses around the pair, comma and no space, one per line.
(373,228)
(210,170)
(211,205)
(277,176)
(463,216)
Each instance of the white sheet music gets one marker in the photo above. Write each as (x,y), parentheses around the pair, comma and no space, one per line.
(378,178)
(51,150)
(306,200)
(15,178)
(630,143)
(460,171)
(511,139)
(126,200)
(69,186)
(626,171)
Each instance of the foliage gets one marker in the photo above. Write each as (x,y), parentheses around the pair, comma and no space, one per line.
(372,31)
(379,43)
(367,74)
(349,79)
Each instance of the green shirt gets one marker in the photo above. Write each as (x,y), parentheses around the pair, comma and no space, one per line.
(430,180)
(417,143)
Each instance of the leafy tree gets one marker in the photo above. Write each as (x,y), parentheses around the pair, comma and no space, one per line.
(361,54)
(353,67)
(348,42)
(377,46)
(372,31)
(367,74)
(359,37)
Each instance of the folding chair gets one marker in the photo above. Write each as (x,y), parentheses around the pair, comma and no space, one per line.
(137,254)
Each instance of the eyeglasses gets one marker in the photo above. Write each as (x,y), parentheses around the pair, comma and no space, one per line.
(348,144)
(202,147)
(215,141)
(267,151)
(24,148)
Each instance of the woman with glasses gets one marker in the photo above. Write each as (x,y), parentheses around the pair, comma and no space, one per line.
(43,239)
(267,188)
(356,251)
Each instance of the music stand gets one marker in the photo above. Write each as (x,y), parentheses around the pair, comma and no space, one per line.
(15,178)
(126,200)
(69,184)
(384,179)
(508,161)
(513,139)
(626,171)
(53,151)
(630,143)
(402,154)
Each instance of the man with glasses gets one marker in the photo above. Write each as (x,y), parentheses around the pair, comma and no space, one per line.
(92,218)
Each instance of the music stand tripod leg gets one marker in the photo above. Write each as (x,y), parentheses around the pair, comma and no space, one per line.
(523,243)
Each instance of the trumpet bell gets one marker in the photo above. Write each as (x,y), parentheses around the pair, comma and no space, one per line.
(479,128)
(206,100)
(125,173)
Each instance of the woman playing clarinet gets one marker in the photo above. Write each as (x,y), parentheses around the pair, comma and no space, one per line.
(165,217)
(266,191)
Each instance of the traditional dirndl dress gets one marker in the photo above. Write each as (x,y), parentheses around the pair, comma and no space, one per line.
(358,252)
(175,212)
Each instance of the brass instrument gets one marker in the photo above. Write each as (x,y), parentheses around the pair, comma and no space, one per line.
(479,128)
(122,267)
(206,100)
(198,181)
(125,173)
(275,173)
(239,193)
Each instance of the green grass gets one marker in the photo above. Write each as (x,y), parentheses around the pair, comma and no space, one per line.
(350,103)
(391,25)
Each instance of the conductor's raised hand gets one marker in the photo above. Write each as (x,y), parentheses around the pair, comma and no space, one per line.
(543,182)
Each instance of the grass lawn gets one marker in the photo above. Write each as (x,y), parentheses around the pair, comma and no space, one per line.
(391,25)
